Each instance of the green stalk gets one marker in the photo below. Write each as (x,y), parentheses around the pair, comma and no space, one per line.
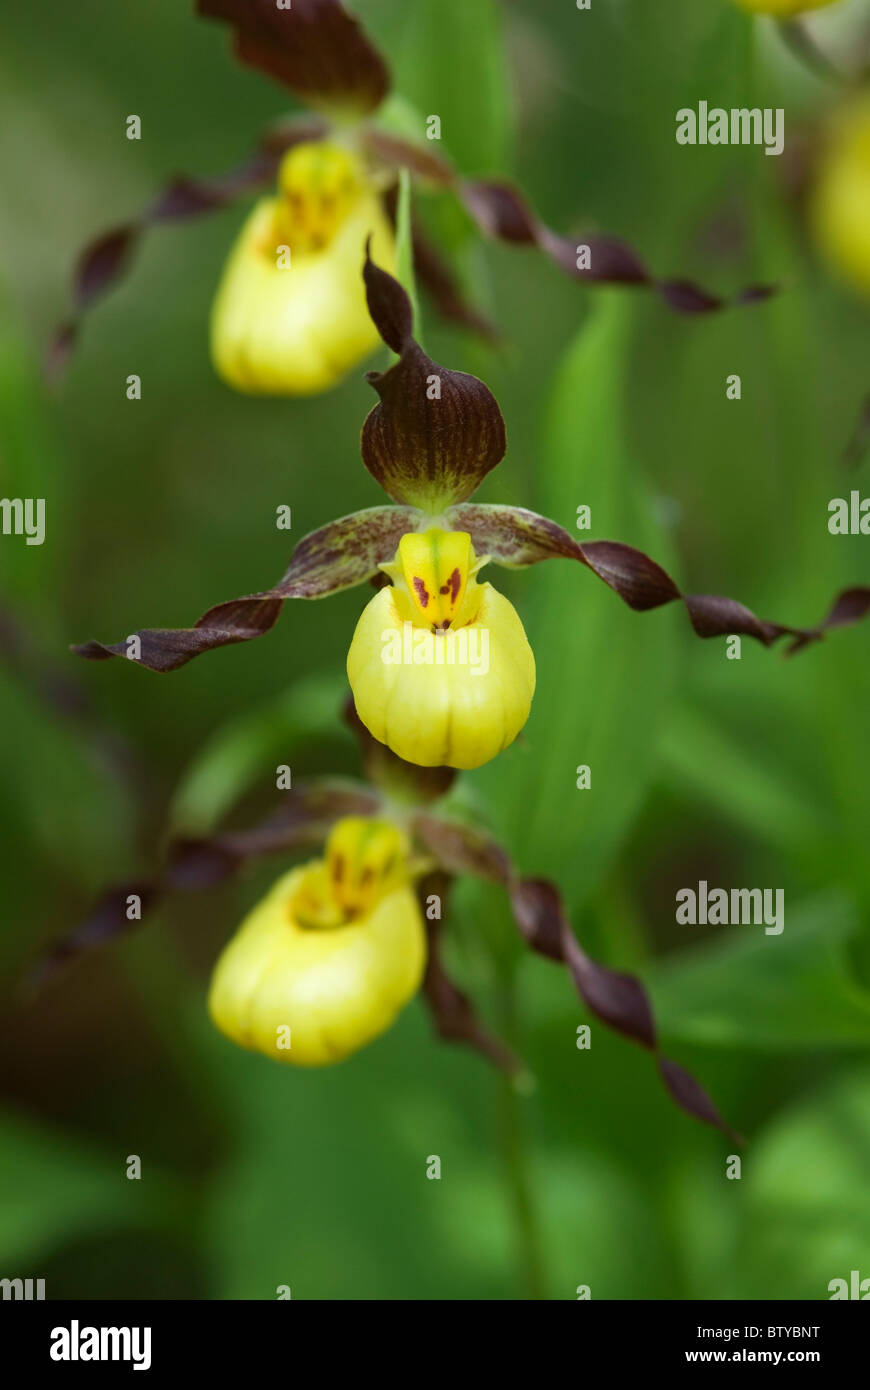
(405,250)
(515,1154)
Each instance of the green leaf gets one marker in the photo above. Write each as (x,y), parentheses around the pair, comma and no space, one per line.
(808,1199)
(55,1189)
(59,789)
(701,759)
(247,749)
(455,67)
(28,465)
(792,991)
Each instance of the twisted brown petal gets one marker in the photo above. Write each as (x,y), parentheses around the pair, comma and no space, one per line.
(341,554)
(502,213)
(194,865)
(436,433)
(515,537)
(312,46)
(619,1000)
(106,259)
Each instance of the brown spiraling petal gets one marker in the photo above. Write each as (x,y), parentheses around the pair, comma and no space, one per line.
(452,1011)
(339,555)
(435,433)
(501,213)
(106,259)
(107,922)
(515,537)
(195,865)
(619,1000)
(463,849)
(314,47)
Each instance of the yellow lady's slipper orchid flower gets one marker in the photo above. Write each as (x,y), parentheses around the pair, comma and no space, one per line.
(290,317)
(783,9)
(840,209)
(329,957)
(440,667)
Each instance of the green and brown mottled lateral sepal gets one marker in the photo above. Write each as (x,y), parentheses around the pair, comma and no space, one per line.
(515,537)
(307,814)
(340,555)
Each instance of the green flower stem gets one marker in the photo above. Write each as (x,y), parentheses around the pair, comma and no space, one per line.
(513,1133)
(405,250)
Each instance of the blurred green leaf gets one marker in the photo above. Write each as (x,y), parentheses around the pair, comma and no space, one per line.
(792,991)
(701,759)
(807,1198)
(58,789)
(244,750)
(453,65)
(54,1188)
(28,462)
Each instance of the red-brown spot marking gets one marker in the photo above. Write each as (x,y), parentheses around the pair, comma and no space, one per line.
(422,591)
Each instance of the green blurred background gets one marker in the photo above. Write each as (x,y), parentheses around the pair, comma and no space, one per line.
(745,773)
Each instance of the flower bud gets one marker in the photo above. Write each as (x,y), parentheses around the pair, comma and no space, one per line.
(783,9)
(440,667)
(840,208)
(290,316)
(329,957)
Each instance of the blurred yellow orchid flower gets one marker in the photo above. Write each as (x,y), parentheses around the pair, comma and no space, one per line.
(290,315)
(324,963)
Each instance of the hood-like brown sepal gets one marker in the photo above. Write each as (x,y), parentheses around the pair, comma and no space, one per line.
(436,433)
(314,47)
